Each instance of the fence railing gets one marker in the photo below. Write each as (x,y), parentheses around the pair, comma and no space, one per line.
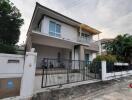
(64,71)
(111,70)
(117,67)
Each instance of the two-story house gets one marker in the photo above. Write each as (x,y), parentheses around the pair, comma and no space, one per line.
(56,36)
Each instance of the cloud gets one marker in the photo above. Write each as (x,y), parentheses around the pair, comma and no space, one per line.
(112,17)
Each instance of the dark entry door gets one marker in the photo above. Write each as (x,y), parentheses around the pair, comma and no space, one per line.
(86,57)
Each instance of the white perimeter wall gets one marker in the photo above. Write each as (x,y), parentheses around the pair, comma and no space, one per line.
(11,69)
(13,65)
(113,75)
(67,32)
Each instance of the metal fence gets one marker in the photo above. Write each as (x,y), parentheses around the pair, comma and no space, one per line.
(63,71)
(111,67)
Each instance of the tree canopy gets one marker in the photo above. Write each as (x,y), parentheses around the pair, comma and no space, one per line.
(121,46)
(10,23)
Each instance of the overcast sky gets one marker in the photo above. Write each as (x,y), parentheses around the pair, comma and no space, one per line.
(111,17)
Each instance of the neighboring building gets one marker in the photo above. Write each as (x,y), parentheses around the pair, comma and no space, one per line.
(54,35)
(101,43)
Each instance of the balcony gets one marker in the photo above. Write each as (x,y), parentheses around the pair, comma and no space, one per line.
(84,40)
(60,37)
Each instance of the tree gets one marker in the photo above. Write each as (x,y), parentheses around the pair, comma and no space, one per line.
(121,46)
(10,23)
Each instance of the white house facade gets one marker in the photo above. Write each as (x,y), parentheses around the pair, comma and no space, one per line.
(56,36)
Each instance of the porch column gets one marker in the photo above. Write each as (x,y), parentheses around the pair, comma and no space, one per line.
(81,52)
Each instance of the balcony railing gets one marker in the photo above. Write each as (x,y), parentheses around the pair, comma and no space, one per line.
(84,40)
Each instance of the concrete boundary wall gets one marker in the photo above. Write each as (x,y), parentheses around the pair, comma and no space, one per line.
(113,75)
(11,65)
(17,74)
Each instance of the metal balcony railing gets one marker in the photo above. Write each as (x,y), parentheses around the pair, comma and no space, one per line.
(84,40)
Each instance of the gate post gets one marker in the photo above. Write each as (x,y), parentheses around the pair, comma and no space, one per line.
(28,77)
(103,68)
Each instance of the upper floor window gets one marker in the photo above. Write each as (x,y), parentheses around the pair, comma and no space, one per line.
(85,37)
(54,29)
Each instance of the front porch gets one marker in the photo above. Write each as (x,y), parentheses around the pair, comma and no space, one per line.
(53,48)
(59,57)
(52,53)
(60,48)
(61,61)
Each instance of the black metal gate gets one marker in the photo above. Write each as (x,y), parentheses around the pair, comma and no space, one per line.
(63,71)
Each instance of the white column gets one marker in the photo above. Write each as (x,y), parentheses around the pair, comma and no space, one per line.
(73,58)
(27,83)
(82,53)
(103,65)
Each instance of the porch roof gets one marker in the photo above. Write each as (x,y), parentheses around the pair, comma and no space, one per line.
(92,47)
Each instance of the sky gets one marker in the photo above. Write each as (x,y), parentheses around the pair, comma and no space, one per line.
(111,17)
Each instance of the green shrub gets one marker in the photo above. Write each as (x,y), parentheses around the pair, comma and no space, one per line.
(5,48)
(109,58)
(121,59)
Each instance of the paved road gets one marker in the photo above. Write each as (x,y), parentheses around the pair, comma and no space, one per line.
(110,90)
(118,91)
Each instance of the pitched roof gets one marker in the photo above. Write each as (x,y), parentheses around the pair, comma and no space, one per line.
(63,18)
